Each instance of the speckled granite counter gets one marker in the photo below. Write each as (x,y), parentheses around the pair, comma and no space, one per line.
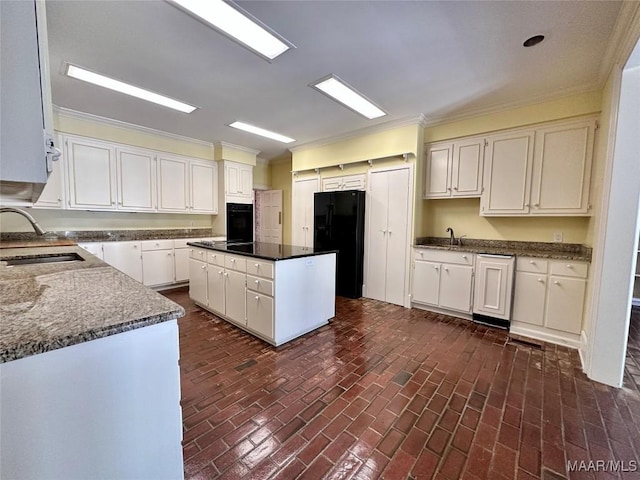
(560,251)
(48,306)
(265,251)
(113,235)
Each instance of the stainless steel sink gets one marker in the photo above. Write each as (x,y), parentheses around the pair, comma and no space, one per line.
(52,258)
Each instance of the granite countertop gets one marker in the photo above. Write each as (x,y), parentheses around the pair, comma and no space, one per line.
(266,251)
(557,251)
(75,236)
(48,306)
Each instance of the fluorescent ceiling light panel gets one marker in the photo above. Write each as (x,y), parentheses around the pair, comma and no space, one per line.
(118,86)
(238,24)
(261,131)
(339,90)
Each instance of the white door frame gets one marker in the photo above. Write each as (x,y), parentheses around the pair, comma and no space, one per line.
(410,167)
(617,234)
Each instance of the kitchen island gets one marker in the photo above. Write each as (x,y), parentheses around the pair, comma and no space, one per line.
(89,374)
(275,292)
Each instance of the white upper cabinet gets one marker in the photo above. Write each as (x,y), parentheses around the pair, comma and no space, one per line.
(173,184)
(92,174)
(347,182)
(454,169)
(562,169)
(136,169)
(508,164)
(546,171)
(203,181)
(238,182)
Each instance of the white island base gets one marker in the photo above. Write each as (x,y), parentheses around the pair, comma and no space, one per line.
(276,301)
(104,409)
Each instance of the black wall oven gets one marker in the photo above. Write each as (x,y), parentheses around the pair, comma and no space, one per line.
(239,222)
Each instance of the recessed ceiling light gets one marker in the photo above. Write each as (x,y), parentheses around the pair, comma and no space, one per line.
(238,24)
(535,40)
(261,131)
(339,90)
(112,84)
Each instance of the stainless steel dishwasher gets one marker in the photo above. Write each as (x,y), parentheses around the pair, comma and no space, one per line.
(493,293)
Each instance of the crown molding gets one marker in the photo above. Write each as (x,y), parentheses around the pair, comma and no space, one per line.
(69,113)
(221,144)
(467,114)
(420,120)
(622,40)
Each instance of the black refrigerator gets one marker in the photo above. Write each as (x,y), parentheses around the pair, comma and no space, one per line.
(339,225)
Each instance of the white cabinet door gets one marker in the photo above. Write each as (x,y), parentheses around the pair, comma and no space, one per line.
(173,184)
(466,169)
(125,256)
(92,174)
(204,192)
(530,292)
(331,184)
(246,181)
(438,171)
(507,175)
(53,194)
(387,237)
(181,264)
(235,296)
(158,267)
(562,169)
(426,282)
(94,248)
(302,221)
(260,314)
(494,282)
(238,182)
(216,288)
(347,182)
(198,281)
(565,304)
(455,287)
(136,169)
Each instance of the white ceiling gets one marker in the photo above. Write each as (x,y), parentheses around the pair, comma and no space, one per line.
(437,58)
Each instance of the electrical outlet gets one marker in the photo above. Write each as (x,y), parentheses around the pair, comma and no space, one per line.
(557,236)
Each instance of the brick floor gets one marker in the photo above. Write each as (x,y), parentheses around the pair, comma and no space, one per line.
(395,393)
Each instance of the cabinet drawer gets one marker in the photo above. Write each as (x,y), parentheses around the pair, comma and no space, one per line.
(149,245)
(260,268)
(260,285)
(183,242)
(235,263)
(215,258)
(569,269)
(198,254)
(533,265)
(443,256)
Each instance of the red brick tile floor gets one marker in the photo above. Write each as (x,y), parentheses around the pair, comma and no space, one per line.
(395,393)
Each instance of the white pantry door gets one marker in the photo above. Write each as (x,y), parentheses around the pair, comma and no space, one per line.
(270,204)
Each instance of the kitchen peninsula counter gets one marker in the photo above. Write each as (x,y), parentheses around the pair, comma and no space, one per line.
(89,371)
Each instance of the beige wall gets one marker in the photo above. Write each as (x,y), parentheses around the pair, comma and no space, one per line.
(437,215)
(281,180)
(262,175)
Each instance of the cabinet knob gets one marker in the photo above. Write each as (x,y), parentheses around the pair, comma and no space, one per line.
(445,269)
(435,268)
(383,231)
(526,204)
(203,266)
(389,232)
(113,203)
(455,188)
(449,188)
(536,204)
(569,265)
(255,265)
(157,244)
(233,260)
(464,256)
(257,282)
(226,274)
(191,250)
(135,246)
(169,254)
(540,280)
(257,298)
(555,282)
(532,262)
(220,272)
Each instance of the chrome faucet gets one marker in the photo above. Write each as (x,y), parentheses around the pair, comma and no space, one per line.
(26,215)
(452,238)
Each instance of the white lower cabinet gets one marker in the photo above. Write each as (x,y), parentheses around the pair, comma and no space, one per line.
(549,299)
(158,267)
(235,287)
(125,256)
(216,289)
(181,260)
(94,248)
(198,281)
(443,279)
(260,313)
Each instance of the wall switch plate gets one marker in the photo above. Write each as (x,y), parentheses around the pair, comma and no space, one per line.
(557,236)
